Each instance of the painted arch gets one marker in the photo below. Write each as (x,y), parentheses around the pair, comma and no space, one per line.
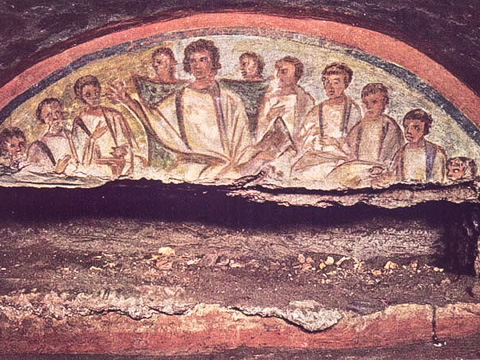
(413,81)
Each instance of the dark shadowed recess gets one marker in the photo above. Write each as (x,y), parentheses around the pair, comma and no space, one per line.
(447,30)
(150,200)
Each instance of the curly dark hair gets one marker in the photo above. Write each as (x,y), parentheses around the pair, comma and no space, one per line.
(6,135)
(167,52)
(421,115)
(338,68)
(164,51)
(257,58)
(202,45)
(43,103)
(375,88)
(82,82)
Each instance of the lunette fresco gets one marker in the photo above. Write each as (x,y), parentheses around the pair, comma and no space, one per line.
(236,108)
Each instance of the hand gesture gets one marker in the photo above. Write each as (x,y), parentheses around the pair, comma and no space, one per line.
(100,129)
(275,111)
(117,92)
(62,164)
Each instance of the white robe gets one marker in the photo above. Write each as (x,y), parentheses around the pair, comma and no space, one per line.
(207,130)
(296,107)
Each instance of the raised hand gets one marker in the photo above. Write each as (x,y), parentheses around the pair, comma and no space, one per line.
(117,93)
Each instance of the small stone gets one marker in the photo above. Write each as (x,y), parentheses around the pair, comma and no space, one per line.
(437,269)
(414,264)
(193,262)
(309,260)
(306,266)
(377,272)
(390,265)
(322,266)
(301,258)
(223,261)
(166,251)
(236,265)
(329,261)
(340,262)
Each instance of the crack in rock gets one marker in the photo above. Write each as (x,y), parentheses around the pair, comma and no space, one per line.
(307,314)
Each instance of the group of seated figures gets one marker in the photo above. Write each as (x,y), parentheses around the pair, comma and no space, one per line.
(250,128)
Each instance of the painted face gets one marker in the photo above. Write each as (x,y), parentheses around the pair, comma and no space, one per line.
(162,64)
(248,67)
(53,117)
(15,146)
(414,130)
(374,104)
(286,74)
(334,85)
(91,95)
(201,65)
(456,171)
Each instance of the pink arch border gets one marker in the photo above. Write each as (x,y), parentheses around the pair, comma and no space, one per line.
(368,41)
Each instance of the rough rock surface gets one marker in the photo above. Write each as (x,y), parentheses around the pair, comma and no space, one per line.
(308,314)
(183,282)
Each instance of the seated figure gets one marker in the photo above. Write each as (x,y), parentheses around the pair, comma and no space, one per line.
(102,135)
(55,151)
(251,88)
(286,99)
(419,160)
(377,137)
(13,148)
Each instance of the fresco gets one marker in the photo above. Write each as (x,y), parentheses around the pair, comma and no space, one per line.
(244,107)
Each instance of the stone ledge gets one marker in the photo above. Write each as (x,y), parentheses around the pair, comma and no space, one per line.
(212,328)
